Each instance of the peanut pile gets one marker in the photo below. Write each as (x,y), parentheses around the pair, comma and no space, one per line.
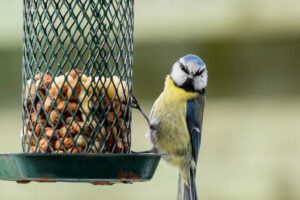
(76,113)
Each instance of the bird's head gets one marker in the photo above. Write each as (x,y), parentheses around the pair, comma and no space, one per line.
(190,73)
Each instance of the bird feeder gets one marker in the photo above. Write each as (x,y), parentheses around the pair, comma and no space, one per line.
(77,94)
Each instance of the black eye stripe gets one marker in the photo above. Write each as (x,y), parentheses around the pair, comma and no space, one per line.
(184,68)
(200,72)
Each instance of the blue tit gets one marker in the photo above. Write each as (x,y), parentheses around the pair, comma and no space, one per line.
(176,120)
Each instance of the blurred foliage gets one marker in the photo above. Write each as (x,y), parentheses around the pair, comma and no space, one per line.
(236,68)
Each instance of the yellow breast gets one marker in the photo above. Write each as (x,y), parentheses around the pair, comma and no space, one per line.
(170,108)
(178,94)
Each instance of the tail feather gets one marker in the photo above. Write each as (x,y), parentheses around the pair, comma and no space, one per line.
(189,190)
(180,188)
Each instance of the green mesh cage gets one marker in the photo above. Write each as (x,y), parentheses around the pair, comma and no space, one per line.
(77,76)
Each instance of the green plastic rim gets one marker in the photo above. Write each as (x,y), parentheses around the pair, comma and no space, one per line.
(105,169)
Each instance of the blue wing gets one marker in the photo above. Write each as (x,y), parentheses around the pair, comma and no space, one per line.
(194,116)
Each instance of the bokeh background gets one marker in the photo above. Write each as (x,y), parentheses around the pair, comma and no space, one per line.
(251,136)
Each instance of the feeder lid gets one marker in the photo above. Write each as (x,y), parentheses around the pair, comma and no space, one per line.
(99,169)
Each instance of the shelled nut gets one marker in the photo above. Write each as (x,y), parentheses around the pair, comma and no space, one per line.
(54,117)
(120,144)
(111,117)
(48,104)
(74,89)
(37,129)
(68,143)
(30,139)
(60,105)
(49,132)
(96,147)
(81,142)
(34,149)
(60,152)
(69,120)
(76,127)
(57,144)
(74,73)
(73,106)
(62,131)
(43,144)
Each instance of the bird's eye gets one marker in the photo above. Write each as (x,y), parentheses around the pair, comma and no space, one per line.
(183,68)
(200,72)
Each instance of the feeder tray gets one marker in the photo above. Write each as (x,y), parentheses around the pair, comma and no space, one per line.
(106,169)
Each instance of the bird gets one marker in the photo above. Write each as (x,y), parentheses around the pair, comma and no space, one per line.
(175,122)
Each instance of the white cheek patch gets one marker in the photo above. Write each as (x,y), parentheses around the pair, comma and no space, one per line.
(200,82)
(178,76)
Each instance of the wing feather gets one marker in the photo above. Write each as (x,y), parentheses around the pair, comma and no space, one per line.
(194,117)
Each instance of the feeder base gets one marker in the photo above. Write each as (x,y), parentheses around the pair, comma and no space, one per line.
(98,169)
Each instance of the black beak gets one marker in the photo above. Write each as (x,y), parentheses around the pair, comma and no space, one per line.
(189,81)
(188,84)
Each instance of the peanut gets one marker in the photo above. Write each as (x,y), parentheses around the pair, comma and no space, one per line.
(30,139)
(120,144)
(33,117)
(116,105)
(75,150)
(116,89)
(47,80)
(69,120)
(106,102)
(68,143)
(38,107)
(99,84)
(54,117)
(111,117)
(29,89)
(33,149)
(96,147)
(62,131)
(37,77)
(110,141)
(112,130)
(48,104)
(49,132)
(36,122)
(122,125)
(43,144)
(81,142)
(72,106)
(74,129)
(74,86)
(73,74)
(59,84)
(77,127)
(86,105)
(57,145)
(103,133)
(37,129)
(60,105)
(60,152)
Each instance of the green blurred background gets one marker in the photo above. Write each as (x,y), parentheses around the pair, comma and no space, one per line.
(251,140)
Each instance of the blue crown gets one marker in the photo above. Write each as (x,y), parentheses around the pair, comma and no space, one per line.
(191,58)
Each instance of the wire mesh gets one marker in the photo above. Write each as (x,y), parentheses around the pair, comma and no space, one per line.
(77,76)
